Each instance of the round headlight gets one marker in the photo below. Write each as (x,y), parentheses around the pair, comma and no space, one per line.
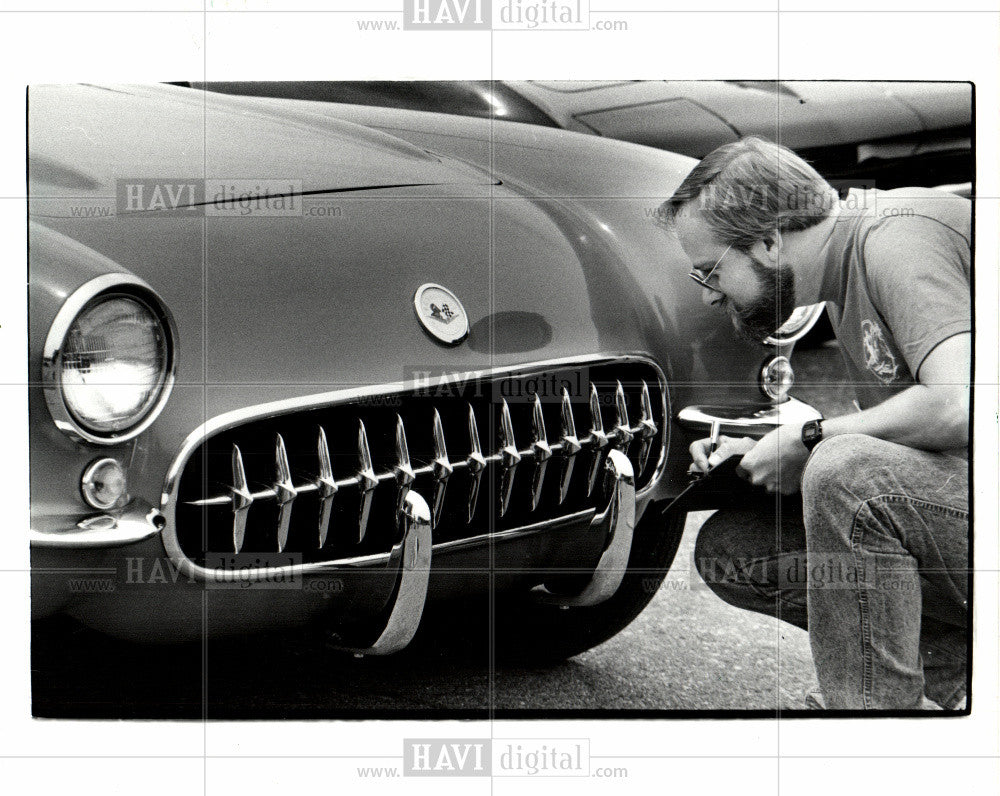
(114,364)
(777,378)
(103,484)
(112,367)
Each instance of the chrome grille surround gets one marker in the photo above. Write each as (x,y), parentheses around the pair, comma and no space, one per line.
(646,430)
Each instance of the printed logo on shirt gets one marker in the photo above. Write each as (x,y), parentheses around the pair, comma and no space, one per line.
(878,355)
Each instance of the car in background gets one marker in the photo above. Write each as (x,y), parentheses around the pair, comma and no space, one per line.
(874,134)
(304,364)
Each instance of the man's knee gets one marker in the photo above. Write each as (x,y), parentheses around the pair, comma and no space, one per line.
(729,547)
(719,543)
(741,555)
(842,481)
(848,462)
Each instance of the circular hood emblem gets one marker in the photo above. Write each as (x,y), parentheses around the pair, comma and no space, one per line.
(441,313)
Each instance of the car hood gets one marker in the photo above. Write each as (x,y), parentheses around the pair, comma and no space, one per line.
(87,143)
(285,306)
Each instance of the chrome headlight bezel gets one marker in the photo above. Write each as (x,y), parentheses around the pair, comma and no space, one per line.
(81,299)
(797,326)
(776,390)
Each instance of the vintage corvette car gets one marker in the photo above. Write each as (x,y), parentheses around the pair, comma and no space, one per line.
(303,364)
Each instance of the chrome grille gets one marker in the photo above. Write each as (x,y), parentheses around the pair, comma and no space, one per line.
(493,454)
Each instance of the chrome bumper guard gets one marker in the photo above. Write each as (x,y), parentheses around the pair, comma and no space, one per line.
(618,522)
(411,558)
(743,420)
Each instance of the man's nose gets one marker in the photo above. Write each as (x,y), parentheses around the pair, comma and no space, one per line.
(709,296)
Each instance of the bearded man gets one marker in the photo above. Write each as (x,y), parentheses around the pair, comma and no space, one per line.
(875,501)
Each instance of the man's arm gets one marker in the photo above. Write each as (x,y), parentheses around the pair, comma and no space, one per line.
(931,415)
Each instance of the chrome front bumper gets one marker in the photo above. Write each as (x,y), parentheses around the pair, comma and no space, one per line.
(745,421)
(135,522)
(374,604)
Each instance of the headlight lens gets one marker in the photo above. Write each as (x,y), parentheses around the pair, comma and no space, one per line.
(114,365)
(103,484)
(777,378)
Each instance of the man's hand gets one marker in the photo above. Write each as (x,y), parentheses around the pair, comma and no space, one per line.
(728,446)
(778,453)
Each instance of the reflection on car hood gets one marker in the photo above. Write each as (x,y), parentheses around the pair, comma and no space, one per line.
(83,139)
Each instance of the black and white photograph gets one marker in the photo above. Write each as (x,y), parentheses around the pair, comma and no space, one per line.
(451,407)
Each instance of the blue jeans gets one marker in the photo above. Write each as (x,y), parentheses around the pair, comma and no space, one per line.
(873,562)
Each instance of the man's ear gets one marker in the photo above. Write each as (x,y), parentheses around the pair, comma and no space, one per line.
(769,249)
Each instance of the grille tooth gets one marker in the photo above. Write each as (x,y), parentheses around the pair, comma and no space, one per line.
(367,481)
(623,431)
(476,464)
(284,491)
(325,485)
(241,500)
(509,456)
(647,428)
(597,438)
(597,435)
(443,468)
(570,445)
(570,442)
(646,422)
(403,470)
(542,450)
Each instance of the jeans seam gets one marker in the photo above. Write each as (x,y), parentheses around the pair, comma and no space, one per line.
(857,531)
(892,497)
(857,534)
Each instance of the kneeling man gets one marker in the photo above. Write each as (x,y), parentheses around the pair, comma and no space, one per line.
(883,515)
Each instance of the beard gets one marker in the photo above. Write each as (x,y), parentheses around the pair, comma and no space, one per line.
(756,320)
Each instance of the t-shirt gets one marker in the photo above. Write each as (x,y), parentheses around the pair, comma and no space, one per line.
(903,261)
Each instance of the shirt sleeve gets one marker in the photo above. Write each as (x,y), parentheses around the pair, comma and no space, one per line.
(918,273)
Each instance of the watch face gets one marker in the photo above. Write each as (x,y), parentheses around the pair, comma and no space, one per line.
(812,433)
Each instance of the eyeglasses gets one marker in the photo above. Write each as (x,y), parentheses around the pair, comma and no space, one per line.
(695,273)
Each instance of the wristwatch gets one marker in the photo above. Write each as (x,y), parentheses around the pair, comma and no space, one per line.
(812,433)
